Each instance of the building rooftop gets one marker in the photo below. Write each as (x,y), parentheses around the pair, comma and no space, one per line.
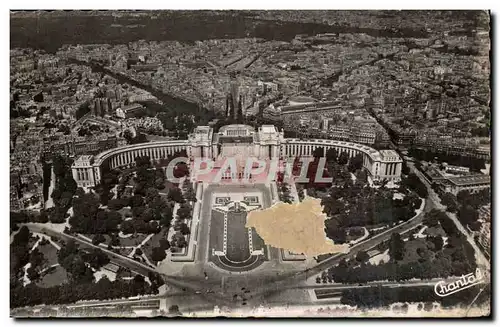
(471,179)
(202,130)
(238,129)
(85,158)
(132,107)
(388,153)
(268,129)
(235,139)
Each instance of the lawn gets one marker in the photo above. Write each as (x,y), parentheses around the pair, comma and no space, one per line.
(133,240)
(411,248)
(57,276)
(354,233)
(237,237)
(435,231)
(32,241)
(258,242)
(49,252)
(216,231)
(122,251)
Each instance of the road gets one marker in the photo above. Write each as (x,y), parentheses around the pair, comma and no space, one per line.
(408,283)
(481,260)
(50,203)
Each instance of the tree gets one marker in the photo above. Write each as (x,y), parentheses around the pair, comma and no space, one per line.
(405,169)
(362,256)
(319,152)
(416,184)
(343,158)
(33,274)
(98,239)
(139,279)
(116,204)
(164,244)
(438,243)
(43,218)
(184,229)
(22,237)
(433,217)
(175,194)
(331,155)
(467,215)
(184,211)
(96,258)
(128,136)
(158,254)
(166,217)
(355,163)
(396,247)
(36,258)
(138,211)
(151,195)
(189,193)
(136,201)
(450,201)
(178,240)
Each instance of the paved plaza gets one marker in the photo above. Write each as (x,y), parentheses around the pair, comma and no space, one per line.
(232,246)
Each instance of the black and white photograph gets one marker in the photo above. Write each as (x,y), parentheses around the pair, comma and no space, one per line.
(250,163)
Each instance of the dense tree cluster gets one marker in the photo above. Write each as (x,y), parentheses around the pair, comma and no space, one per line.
(396,247)
(64,190)
(175,195)
(71,292)
(178,241)
(88,218)
(76,267)
(19,217)
(349,201)
(103,189)
(445,264)
(78,263)
(449,201)
(137,139)
(184,211)
(377,297)
(469,204)
(356,205)
(466,205)
(177,125)
(189,193)
(158,254)
(475,164)
(435,260)
(149,214)
(19,253)
(147,176)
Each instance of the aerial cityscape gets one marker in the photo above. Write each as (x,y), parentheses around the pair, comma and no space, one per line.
(246,163)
